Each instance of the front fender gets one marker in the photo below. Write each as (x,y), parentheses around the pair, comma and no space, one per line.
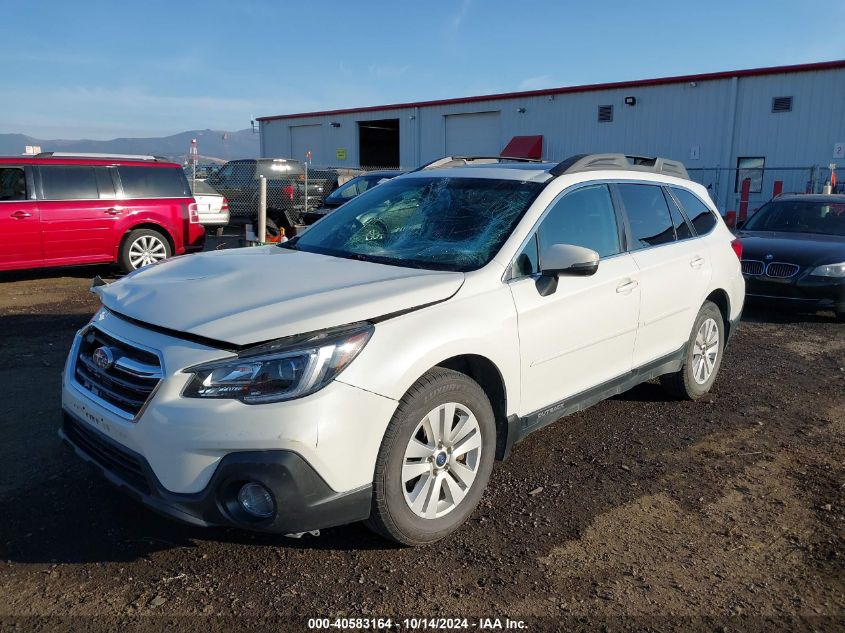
(405,347)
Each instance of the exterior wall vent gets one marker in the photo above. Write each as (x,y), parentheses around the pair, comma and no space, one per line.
(605,113)
(782,104)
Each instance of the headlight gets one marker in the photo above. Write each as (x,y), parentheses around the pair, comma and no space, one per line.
(830,270)
(281,370)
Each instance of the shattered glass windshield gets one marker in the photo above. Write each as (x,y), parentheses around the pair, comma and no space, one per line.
(437,223)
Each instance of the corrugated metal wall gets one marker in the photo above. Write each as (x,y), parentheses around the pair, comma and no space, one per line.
(707,126)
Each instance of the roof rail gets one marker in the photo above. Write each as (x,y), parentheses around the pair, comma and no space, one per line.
(458,161)
(592,162)
(96,155)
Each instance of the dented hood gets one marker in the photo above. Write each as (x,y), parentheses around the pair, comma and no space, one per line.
(249,295)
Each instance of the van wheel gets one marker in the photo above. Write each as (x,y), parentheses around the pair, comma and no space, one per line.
(435,459)
(143,247)
(703,356)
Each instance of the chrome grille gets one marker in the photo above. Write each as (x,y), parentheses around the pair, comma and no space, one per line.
(752,267)
(126,381)
(781,270)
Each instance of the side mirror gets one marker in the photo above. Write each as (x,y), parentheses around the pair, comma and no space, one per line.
(564,259)
(568,259)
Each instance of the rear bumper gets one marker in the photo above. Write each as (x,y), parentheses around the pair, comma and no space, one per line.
(194,237)
(214,219)
(303,500)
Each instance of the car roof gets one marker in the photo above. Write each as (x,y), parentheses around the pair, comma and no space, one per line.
(381,172)
(93,162)
(812,197)
(533,171)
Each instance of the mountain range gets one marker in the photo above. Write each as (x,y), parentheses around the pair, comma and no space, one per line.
(214,145)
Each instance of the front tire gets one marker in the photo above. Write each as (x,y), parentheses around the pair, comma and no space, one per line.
(435,459)
(703,356)
(143,247)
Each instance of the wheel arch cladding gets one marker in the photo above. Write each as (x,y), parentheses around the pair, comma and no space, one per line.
(485,372)
(723,302)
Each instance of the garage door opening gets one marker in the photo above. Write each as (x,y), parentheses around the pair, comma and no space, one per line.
(378,143)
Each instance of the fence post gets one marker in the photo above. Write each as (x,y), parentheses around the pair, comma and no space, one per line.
(262,209)
(743,200)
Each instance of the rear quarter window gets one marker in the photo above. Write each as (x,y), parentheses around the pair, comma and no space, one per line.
(702,217)
(153,182)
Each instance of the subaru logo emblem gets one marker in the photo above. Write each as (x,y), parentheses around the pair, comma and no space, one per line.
(769,257)
(103,357)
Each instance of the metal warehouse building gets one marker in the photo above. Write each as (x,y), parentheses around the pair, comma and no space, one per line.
(780,127)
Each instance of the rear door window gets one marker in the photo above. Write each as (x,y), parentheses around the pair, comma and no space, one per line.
(68,182)
(153,182)
(701,216)
(648,215)
(12,184)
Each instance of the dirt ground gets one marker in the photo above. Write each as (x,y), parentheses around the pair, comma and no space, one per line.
(639,513)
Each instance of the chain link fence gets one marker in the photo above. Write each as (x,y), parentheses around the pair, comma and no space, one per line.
(293,188)
(725,183)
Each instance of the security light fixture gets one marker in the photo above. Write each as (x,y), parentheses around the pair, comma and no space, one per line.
(334,124)
(631,101)
(521,110)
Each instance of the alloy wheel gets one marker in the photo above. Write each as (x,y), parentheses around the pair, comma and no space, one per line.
(705,351)
(146,250)
(441,460)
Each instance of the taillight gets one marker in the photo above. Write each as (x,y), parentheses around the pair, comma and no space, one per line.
(193,213)
(225,205)
(737,246)
(288,191)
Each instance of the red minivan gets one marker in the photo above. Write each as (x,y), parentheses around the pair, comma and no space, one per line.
(72,209)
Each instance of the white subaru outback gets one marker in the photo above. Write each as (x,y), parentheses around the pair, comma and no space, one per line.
(374,367)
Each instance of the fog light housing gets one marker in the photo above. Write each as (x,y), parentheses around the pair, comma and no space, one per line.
(256,500)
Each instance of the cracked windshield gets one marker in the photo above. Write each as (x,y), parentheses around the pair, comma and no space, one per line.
(438,223)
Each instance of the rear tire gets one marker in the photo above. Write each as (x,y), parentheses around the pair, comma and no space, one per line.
(143,247)
(703,356)
(435,459)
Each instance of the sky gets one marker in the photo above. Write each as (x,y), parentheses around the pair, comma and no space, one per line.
(103,69)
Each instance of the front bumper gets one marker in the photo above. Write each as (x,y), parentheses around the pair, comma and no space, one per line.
(805,291)
(318,451)
(303,501)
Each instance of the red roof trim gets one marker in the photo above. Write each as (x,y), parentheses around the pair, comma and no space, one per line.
(752,72)
(524,147)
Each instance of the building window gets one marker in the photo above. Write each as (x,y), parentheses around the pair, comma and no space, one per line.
(605,113)
(782,104)
(751,168)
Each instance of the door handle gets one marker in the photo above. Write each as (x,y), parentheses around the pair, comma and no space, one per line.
(114,211)
(697,262)
(20,215)
(627,287)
